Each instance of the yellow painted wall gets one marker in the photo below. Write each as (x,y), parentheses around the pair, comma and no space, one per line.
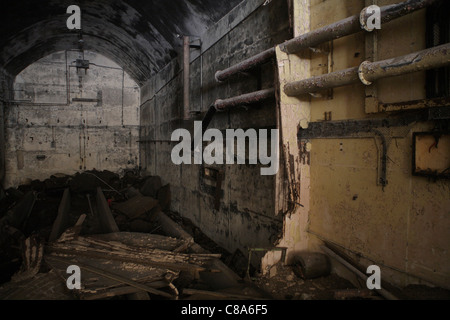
(405,229)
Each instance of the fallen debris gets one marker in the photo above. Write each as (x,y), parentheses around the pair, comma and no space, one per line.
(32,255)
(151,187)
(136,206)
(106,274)
(310,265)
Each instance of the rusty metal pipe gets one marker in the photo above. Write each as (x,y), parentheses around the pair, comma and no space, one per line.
(432,58)
(351,25)
(333,31)
(248,98)
(245,65)
(186,76)
(319,83)
(370,71)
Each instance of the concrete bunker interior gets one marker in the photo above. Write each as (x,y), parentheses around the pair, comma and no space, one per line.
(86,147)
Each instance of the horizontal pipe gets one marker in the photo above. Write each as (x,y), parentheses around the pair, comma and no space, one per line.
(333,31)
(248,98)
(84,100)
(319,83)
(351,25)
(370,71)
(245,65)
(432,58)
(383,292)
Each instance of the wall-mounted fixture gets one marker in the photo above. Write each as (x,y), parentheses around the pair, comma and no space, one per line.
(188,44)
(81,64)
(431,154)
(211,180)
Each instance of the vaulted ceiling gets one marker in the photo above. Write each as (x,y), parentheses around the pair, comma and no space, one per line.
(140,35)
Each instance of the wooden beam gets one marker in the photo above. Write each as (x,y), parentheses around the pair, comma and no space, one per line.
(108,224)
(113,276)
(60,223)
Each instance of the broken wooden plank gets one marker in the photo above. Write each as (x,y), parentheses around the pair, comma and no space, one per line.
(141,240)
(32,254)
(171,228)
(225,279)
(61,221)
(113,276)
(93,283)
(117,249)
(185,246)
(144,261)
(107,222)
(73,232)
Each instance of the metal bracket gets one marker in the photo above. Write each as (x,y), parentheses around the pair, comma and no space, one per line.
(385,129)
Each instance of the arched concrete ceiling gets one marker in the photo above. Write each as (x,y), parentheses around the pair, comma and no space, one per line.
(139,35)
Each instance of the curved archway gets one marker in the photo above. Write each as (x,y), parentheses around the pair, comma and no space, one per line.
(142,36)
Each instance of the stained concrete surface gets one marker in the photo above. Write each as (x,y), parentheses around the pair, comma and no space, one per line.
(140,35)
(48,131)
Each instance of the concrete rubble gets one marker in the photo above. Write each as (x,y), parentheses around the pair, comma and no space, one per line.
(114,229)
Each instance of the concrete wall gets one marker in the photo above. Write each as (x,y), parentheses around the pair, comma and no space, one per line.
(246,217)
(6,83)
(45,135)
(405,227)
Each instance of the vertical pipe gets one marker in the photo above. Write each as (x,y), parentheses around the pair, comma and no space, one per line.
(186,77)
(123,92)
(67,80)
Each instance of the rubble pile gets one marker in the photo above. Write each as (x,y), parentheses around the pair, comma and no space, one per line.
(115,230)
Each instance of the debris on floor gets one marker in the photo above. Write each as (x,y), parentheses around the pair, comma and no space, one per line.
(127,243)
(286,285)
(107,227)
